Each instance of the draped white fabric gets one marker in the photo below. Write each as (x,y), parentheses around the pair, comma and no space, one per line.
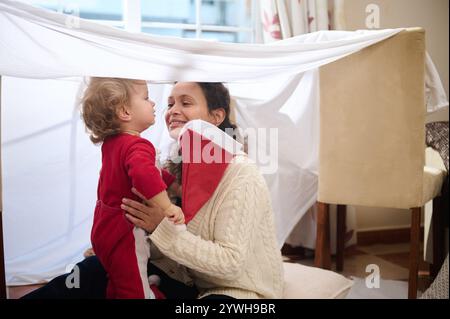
(50,168)
(282,19)
(38,44)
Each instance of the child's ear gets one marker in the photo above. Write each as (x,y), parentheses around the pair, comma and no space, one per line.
(124,113)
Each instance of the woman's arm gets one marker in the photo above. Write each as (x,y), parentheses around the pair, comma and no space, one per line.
(144,215)
(226,255)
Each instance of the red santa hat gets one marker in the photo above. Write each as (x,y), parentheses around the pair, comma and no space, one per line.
(206,152)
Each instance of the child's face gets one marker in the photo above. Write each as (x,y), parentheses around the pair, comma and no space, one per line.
(142,108)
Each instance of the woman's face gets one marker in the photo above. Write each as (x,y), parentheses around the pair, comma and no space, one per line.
(186,102)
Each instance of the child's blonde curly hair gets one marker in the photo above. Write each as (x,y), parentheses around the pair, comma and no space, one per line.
(102,99)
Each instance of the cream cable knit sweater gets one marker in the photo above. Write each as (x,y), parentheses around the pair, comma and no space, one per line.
(230,246)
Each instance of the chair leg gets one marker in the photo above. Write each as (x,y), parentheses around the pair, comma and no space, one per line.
(322,256)
(340,236)
(414,253)
(437,221)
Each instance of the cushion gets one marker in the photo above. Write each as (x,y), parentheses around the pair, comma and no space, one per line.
(434,159)
(437,138)
(433,175)
(304,282)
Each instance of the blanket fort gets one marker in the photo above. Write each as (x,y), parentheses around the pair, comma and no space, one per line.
(49,166)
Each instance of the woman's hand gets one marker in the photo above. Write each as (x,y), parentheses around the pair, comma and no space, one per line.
(146,216)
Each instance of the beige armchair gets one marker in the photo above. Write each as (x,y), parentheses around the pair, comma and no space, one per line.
(372,139)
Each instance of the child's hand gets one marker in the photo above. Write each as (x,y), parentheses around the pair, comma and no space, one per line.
(175,214)
(177,219)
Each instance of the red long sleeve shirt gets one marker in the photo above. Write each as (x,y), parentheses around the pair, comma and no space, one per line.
(129,161)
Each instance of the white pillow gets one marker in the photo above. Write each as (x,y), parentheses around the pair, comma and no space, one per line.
(303,282)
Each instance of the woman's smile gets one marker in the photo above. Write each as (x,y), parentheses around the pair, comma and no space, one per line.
(173,124)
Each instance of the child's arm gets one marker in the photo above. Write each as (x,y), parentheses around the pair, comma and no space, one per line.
(146,178)
(173,212)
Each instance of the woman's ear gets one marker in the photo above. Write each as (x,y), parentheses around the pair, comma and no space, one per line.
(218,116)
(123,113)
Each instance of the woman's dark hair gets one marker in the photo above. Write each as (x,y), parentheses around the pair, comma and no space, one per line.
(217,96)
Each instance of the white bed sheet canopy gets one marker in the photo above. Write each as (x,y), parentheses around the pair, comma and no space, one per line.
(50,168)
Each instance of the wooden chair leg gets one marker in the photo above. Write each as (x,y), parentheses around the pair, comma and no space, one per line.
(2,263)
(340,236)
(438,226)
(414,253)
(322,256)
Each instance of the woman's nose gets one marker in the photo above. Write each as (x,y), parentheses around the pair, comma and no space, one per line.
(174,110)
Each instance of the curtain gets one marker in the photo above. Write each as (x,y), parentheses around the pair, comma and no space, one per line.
(282,19)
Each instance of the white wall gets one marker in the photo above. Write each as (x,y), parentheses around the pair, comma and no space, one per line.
(433,16)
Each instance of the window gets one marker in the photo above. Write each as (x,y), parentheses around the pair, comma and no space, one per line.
(108,12)
(219,20)
(222,20)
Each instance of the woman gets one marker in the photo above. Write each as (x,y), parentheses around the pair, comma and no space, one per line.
(229,248)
